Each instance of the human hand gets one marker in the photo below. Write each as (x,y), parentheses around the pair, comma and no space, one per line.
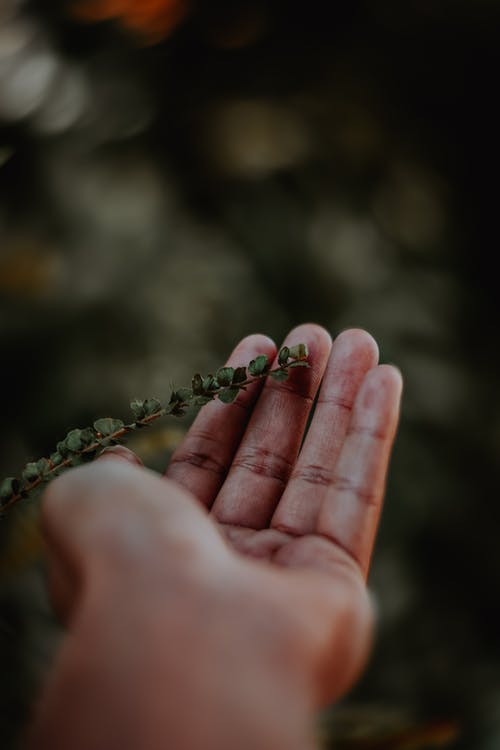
(242,463)
(158,596)
(316,511)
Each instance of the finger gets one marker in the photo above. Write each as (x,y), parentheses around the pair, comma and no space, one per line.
(351,509)
(120,453)
(202,461)
(265,458)
(354,353)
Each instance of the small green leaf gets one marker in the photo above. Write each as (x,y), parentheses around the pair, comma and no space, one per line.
(62,449)
(224,376)
(197,384)
(299,351)
(107,426)
(240,375)
(30,473)
(87,436)
(152,406)
(279,375)
(138,410)
(81,445)
(8,488)
(77,459)
(202,400)
(43,466)
(259,365)
(182,395)
(74,441)
(178,410)
(105,442)
(209,383)
(228,395)
(283,355)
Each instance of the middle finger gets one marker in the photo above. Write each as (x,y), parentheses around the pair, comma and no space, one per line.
(354,352)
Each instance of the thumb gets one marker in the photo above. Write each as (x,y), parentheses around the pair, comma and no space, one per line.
(113,520)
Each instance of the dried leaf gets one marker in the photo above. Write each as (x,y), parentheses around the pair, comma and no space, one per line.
(299,351)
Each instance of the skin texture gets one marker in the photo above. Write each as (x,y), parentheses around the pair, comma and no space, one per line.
(222,605)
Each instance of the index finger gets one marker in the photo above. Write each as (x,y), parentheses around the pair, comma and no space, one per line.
(200,464)
(353,353)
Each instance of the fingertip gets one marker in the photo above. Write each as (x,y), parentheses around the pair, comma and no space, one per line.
(358,339)
(120,453)
(259,339)
(250,347)
(382,389)
(319,345)
(390,377)
(396,369)
(310,333)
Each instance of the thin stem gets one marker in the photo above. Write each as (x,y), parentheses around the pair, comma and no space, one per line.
(102,441)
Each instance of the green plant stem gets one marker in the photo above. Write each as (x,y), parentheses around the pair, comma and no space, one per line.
(176,407)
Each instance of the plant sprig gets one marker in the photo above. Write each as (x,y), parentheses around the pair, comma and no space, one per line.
(83,445)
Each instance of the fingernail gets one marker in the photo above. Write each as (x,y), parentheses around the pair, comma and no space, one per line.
(122,453)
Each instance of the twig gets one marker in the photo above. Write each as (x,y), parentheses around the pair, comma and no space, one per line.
(83,445)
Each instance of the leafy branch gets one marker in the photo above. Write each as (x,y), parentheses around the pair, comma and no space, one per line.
(83,445)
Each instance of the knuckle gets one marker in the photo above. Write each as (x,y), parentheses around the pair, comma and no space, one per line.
(200,459)
(372,433)
(365,495)
(336,402)
(314,474)
(292,387)
(264,462)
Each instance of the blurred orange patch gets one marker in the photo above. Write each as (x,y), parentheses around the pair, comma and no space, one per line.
(152,20)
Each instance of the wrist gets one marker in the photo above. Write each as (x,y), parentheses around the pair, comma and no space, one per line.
(196,666)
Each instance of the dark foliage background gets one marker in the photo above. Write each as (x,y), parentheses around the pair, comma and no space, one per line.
(169,184)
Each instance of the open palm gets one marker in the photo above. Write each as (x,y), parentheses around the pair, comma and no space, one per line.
(278,495)
(306,502)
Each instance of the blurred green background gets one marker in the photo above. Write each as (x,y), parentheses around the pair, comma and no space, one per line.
(176,175)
